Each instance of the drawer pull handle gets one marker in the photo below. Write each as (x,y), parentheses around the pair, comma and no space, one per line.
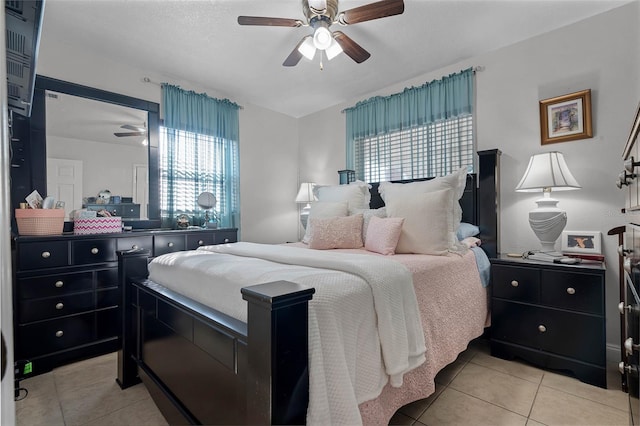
(170,245)
(59,305)
(59,333)
(134,247)
(627,368)
(59,284)
(571,290)
(542,328)
(46,255)
(226,240)
(515,283)
(94,250)
(629,346)
(200,243)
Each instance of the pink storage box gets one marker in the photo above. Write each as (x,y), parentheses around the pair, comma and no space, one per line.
(97,225)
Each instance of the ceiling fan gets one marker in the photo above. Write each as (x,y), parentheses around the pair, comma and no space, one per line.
(320,15)
(135,130)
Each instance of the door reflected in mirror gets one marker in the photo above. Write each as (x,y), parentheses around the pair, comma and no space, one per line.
(95,146)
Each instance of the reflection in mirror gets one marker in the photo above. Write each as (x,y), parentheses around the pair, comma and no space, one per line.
(95,146)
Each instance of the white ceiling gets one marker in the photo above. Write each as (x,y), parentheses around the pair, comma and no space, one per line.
(201,42)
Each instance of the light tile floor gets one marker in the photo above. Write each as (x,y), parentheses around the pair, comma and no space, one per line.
(476,389)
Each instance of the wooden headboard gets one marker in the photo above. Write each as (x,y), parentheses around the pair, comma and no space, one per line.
(480,201)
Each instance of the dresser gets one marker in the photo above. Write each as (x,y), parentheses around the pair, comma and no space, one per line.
(550,315)
(630,251)
(66,293)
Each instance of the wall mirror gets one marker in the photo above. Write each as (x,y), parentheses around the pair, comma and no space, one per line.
(97,141)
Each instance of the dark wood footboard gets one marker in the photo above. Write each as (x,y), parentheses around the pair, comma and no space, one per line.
(204,367)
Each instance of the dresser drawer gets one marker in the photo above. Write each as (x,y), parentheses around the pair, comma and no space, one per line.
(54,335)
(38,255)
(163,244)
(128,243)
(54,285)
(93,251)
(200,239)
(572,290)
(226,237)
(515,283)
(52,307)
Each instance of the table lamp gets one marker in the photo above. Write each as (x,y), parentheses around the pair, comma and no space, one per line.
(305,196)
(547,172)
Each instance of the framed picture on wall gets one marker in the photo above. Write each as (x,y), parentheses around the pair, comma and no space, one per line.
(588,242)
(566,118)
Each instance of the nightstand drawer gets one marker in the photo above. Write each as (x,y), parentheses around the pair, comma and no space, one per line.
(40,309)
(572,290)
(128,243)
(514,283)
(49,254)
(93,251)
(563,333)
(223,237)
(54,285)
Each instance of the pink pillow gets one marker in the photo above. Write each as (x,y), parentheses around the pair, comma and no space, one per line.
(383,234)
(335,232)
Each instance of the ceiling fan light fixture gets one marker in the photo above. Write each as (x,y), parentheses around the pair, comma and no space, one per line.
(307,48)
(322,38)
(333,50)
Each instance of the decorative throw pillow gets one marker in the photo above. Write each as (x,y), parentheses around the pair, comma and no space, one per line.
(367,214)
(324,209)
(356,194)
(383,234)
(428,223)
(336,232)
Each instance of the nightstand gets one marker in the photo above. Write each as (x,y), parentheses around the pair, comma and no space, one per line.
(550,315)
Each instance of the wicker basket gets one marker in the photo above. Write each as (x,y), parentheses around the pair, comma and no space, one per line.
(40,221)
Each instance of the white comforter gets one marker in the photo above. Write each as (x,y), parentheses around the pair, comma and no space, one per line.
(350,358)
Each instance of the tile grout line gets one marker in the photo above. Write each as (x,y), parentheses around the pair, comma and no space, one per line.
(55,386)
(534,399)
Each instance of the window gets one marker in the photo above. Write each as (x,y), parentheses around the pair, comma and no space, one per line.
(434,149)
(192,163)
(423,131)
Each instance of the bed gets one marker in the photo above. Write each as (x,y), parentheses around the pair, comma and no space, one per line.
(208,366)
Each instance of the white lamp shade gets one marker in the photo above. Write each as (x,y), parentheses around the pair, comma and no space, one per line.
(547,171)
(333,50)
(322,38)
(305,193)
(307,48)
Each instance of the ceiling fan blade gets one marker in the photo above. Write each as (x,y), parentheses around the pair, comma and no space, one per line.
(368,12)
(271,22)
(295,56)
(350,47)
(130,134)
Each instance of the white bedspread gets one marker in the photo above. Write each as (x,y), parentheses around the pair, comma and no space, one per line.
(351,360)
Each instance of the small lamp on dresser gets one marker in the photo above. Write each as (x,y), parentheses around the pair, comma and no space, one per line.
(305,196)
(546,172)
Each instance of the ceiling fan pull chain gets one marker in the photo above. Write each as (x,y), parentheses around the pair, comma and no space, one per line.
(321,55)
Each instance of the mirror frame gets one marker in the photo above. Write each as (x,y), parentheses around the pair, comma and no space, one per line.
(39,136)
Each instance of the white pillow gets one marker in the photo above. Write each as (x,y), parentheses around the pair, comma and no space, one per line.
(456,182)
(356,194)
(428,226)
(324,209)
(367,214)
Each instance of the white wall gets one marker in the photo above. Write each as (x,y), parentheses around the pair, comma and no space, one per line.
(601,54)
(268,140)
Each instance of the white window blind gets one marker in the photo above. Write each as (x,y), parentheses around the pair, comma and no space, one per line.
(435,149)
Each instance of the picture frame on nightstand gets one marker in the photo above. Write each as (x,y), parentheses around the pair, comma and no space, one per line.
(585,242)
